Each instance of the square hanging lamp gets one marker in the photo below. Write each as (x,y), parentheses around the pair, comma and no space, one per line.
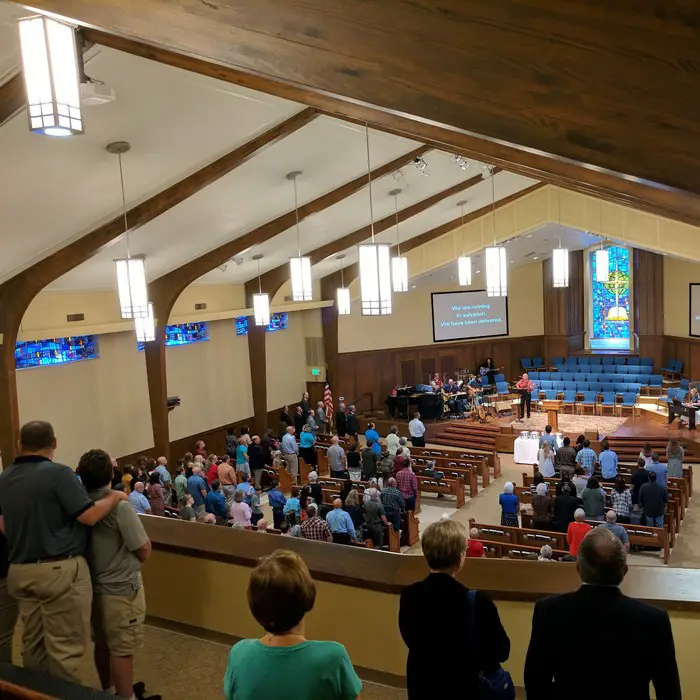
(375,279)
(464,270)
(496,271)
(50,65)
(602,265)
(133,291)
(146,327)
(560,267)
(261,309)
(343,301)
(302,288)
(399,274)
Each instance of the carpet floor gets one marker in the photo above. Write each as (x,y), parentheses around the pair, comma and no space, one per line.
(605,425)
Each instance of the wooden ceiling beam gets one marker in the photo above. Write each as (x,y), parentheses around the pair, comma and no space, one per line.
(330,282)
(572,83)
(12,98)
(17,293)
(272,280)
(164,291)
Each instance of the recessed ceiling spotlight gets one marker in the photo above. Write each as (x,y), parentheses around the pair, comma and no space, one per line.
(413,286)
(421,165)
(478,272)
(460,161)
(529,235)
(535,257)
(486,170)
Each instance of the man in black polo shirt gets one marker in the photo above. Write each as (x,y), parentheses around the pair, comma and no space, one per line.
(44,511)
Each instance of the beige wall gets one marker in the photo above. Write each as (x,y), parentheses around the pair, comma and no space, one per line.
(212,379)
(170,578)
(95,403)
(286,363)
(411,322)
(678,274)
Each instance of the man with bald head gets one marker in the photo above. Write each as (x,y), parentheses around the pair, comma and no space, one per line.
(600,605)
(340,524)
(336,459)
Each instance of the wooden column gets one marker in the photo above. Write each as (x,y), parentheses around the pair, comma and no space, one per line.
(257,361)
(9,409)
(648,301)
(563,309)
(158,391)
(329,319)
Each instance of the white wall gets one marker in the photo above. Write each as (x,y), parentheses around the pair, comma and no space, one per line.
(286,363)
(94,403)
(212,379)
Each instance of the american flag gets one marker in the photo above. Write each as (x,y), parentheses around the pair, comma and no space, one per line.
(328,401)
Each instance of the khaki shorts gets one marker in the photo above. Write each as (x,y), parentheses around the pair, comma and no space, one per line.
(118,621)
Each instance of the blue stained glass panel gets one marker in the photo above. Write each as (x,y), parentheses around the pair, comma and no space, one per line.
(184,334)
(55,351)
(610,302)
(278,322)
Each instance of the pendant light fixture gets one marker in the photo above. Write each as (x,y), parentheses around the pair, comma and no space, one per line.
(560,256)
(343,292)
(300,267)
(399,264)
(602,257)
(495,256)
(261,300)
(374,264)
(146,327)
(131,271)
(464,262)
(50,65)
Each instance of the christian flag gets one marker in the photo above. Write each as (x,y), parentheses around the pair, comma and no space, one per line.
(328,401)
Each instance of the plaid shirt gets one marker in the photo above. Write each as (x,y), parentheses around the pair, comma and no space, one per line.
(392,499)
(316,529)
(621,502)
(586,458)
(407,483)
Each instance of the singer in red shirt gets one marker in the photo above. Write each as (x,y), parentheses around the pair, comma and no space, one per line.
(525,388)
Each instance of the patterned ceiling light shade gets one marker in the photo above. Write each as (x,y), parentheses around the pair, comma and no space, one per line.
(343,292)
(602,265)
(300,267)
(560,267)
(50,65)
(261,300)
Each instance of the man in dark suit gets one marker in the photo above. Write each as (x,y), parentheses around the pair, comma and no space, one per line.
(351,424)
(597,606)
(341,420)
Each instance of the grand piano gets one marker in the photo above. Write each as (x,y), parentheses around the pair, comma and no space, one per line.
(428,403)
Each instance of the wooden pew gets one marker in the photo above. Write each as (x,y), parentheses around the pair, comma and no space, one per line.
(480,466)
(491,456)
(361,485)
(279,474)
(445,486)
(499,550)
(466,474)
(638,535)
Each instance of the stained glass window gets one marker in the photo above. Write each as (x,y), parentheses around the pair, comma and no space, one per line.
(184,334)
(610,301)
(55,351)
(278,322)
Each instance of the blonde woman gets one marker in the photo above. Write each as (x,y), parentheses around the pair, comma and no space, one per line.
(353,508)
(546,460)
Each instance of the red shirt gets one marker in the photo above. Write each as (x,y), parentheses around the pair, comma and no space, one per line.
(574,535)
(475,548)
(212,473)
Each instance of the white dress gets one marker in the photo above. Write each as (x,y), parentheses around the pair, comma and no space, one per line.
(546,465)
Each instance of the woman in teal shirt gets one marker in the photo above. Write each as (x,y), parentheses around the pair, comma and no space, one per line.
(280,593)
(307,449)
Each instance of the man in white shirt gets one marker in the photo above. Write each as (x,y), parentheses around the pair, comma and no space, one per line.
(392,441)
(416,430)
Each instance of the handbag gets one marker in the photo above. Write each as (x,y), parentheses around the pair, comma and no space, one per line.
(499,684)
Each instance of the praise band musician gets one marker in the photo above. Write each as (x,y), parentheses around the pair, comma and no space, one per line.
(525,388)
(487,371)
(452,396)
(436,382)
(476,397)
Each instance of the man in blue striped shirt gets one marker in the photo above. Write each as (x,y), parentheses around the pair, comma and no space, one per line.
(340,524)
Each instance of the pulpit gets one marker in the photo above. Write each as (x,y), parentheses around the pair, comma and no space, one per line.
(553,408)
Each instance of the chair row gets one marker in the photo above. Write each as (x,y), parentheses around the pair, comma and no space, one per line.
(581,400)
(646,379)
(587,360)
(599,387)
(607,369)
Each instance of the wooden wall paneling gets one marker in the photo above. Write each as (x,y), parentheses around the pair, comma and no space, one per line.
(447,365)
(648,300)
(408,372)
(575,315)
(428,365)
(613,137)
